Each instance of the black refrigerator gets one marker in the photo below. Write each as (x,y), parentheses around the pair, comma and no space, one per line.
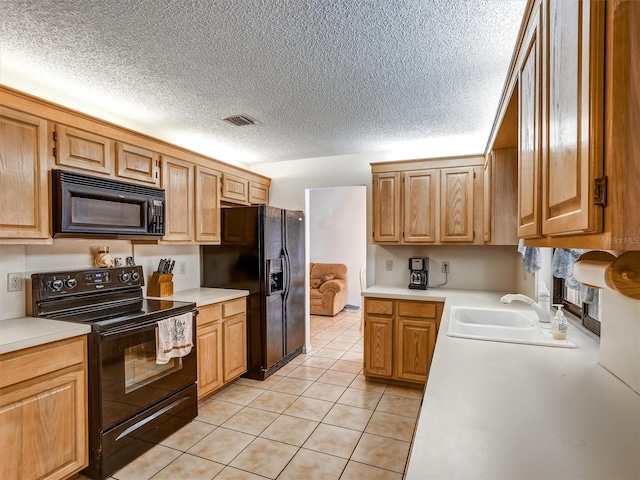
(262,250)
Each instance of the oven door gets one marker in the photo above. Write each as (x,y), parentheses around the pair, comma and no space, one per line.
(129,379)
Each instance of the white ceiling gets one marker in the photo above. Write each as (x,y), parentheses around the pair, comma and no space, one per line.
(322,77)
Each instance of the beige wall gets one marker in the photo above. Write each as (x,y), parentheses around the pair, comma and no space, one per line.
(69,254)
(473,267)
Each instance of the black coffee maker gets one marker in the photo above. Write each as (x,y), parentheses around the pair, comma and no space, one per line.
(418,273)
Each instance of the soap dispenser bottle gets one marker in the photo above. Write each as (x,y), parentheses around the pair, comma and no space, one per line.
(559,325)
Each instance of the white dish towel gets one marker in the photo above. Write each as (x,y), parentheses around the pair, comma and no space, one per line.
(174,337)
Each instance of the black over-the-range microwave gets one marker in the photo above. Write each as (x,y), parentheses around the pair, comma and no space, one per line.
(87,206)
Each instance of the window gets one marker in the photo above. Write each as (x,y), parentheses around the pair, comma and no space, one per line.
(583,304)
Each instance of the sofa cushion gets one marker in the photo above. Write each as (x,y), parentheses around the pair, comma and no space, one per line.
(326,278)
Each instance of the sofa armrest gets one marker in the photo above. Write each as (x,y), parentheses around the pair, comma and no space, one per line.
(335,284)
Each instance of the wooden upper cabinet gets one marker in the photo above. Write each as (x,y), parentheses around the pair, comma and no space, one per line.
(207,205)
(177,180)
(574,68)
(386,207)
(529,132)
(137,163)
(24,215)
(235,189)
(501,197)
(487,198)
(258,193)
(456,204)
(432,201)
(420,206)
(83,150)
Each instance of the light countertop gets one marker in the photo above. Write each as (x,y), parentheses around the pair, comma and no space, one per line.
(25,332)
(205,296)
(494,410)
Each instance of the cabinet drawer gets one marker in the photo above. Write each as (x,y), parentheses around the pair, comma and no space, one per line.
(234,307)
(417,309)
(32,362)
(379,306)
(208,314)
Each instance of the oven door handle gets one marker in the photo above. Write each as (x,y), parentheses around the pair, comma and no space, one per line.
(138,327)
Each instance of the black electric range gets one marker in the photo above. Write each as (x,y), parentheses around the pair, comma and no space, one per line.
(135,400)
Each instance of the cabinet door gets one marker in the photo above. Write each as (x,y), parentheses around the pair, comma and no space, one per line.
(258,193)
(420,206)
(529,133)
(177,180)
(235,189)
(386,207)
(209,358)
(43,427)
(234,339)
(456,205)
(487,198)
(207,205)
(23,176)
(378,346)
(137,163)
(501,197)
(83,150)
(415,343)
(574,119)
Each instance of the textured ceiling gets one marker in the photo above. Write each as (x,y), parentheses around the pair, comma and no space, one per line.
(416,77)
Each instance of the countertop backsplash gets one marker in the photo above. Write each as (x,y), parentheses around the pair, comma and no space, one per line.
(70,254)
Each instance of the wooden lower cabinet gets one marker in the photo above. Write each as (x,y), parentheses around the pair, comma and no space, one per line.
(234,341)
(399,338)
(222,344)
(43,410)
(209,357)
(378,348)
(416,340)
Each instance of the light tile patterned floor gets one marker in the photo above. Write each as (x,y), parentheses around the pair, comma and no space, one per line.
(316,418)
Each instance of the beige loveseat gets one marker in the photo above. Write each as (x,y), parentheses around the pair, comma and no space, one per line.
(328,293)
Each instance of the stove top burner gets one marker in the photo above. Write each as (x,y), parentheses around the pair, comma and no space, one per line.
(104,298)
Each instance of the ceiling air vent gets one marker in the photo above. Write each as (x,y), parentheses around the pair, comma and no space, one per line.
(240,120)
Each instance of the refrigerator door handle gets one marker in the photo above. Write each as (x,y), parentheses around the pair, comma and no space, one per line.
(286,273)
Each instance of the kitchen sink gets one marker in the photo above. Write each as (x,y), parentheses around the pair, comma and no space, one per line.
(501,325)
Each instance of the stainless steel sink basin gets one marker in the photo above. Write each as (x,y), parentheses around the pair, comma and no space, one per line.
(501,325)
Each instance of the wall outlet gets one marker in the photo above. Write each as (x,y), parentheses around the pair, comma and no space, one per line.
(182,268)
(14,282)
(445,267)
(389,265)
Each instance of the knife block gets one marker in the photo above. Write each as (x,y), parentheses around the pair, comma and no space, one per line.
(160,285)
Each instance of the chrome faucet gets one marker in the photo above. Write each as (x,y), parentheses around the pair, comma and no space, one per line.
(542,307)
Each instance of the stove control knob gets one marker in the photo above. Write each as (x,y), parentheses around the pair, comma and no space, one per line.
(57,285)
(135,276)
(70,283)
(124,277)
